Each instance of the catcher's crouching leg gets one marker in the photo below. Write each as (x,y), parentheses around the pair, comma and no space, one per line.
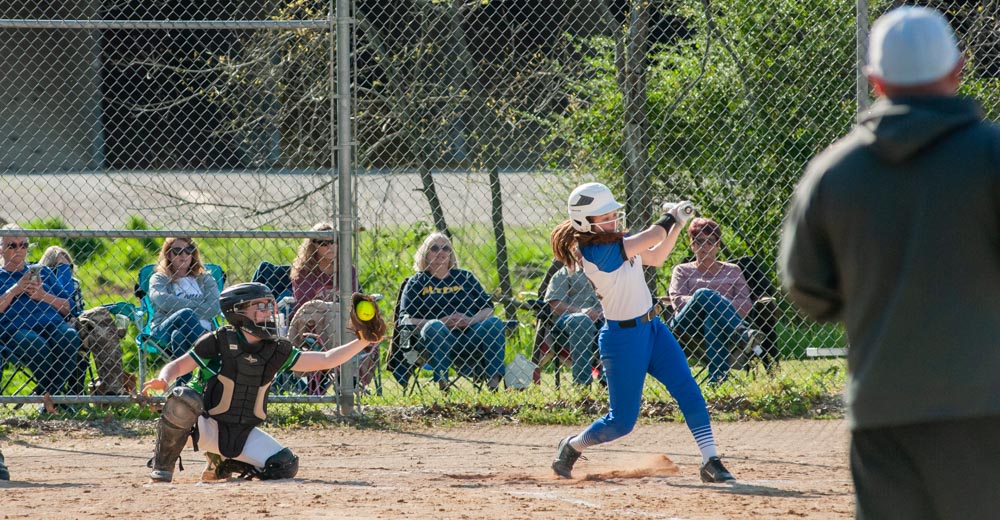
(180,414)
(283,464)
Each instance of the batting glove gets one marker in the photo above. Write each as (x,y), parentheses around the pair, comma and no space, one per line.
(681,211)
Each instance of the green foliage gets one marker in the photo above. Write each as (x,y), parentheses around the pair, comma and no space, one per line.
(734,114)
(81,249)
(137,223)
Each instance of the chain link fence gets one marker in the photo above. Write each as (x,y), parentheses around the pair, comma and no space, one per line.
(128,123)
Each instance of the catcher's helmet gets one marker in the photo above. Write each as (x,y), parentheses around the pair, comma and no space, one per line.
(590,200)
(231,301)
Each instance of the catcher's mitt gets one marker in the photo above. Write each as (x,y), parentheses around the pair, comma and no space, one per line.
(366,319)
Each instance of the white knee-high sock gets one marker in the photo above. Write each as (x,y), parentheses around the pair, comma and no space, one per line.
(706,442)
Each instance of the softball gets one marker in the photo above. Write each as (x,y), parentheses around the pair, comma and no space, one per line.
(365,310)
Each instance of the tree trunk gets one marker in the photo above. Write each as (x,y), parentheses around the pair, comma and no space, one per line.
(464,77)
(631,49)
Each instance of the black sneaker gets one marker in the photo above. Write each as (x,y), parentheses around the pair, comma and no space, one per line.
(4,473)
(565,458)
(714,472)
(747,347)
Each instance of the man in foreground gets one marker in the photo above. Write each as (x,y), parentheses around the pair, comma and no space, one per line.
(895,231)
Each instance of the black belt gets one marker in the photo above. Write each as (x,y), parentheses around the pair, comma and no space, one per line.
(635,322)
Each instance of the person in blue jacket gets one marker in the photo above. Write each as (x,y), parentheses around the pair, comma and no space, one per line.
(33,308)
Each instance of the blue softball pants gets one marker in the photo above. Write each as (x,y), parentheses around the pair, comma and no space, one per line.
(628,354)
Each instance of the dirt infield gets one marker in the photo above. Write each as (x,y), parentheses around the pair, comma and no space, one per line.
(786,469)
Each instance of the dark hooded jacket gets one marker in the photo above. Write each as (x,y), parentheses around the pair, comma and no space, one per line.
(895,231)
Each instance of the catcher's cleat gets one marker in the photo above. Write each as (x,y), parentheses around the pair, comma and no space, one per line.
(213,469)
(565,458)
(714,472)
(4,472)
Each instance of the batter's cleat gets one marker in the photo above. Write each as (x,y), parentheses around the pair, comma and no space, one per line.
(4,472)
(565,458)
(714,472)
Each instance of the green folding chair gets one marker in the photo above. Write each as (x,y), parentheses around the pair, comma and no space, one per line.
(142,317)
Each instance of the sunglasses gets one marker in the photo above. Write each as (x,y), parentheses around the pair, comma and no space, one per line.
(260,306)
(179,250)
(17,245)
(705,240)
(322,243)
(435,249)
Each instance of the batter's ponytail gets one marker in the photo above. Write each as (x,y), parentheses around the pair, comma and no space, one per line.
(563,241)
(566,241)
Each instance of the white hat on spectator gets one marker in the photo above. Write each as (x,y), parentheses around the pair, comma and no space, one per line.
(911,46)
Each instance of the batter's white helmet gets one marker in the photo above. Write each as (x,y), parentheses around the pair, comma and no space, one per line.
(590,200)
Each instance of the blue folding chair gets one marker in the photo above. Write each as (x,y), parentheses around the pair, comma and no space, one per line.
(279,279)
(142,316)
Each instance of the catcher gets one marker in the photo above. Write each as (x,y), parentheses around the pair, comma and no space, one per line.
(228,401)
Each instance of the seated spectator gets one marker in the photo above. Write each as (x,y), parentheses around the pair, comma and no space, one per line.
(314,279)
(61,263)
(314,271)
(183,294)
(33,308)
(576,315)
(97,330)
(711,300)
(453,314)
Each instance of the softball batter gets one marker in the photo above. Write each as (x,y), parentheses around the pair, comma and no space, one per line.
(633,341)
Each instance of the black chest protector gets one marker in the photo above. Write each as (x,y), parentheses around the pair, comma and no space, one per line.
(236,396)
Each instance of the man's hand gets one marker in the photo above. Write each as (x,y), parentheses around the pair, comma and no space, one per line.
(21,286)
(34,290)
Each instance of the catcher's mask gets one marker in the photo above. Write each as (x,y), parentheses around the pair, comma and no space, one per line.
(241,304)
(590,200)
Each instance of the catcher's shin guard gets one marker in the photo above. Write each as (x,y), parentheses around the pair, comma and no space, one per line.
(283,464)
(180,414)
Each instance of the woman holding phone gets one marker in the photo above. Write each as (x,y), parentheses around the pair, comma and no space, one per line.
(33,329)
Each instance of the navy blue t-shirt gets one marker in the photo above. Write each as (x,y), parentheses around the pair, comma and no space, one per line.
(427,298)
(25,313)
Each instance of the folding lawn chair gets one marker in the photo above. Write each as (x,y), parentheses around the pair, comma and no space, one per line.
(407,355)
(143,316)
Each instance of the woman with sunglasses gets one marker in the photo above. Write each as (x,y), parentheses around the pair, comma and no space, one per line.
(454,315)
(184,296)
(314,271)
(33,328)
(315,286)
(711,299)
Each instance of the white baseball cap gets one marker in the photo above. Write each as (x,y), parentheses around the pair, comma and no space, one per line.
(911,46)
